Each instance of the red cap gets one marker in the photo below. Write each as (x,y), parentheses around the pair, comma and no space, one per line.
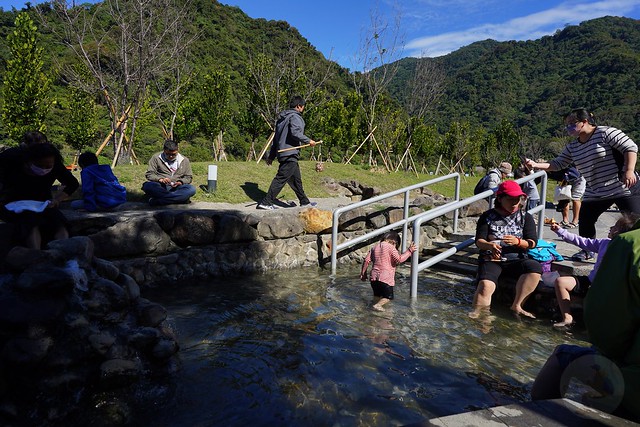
(510,188)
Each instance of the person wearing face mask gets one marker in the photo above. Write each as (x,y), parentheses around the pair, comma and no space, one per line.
(503,235)
(26,199)
(606,158)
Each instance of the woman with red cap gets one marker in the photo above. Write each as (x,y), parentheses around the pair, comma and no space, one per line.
(503,235)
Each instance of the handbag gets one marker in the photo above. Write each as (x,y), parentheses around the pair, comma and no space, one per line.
(562,192)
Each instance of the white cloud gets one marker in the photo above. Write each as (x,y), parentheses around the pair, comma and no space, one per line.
(528,27)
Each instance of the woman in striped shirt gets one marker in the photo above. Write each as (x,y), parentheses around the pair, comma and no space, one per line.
(606,158)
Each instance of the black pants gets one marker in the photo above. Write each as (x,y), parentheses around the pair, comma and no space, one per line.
(288,173)
(592,209)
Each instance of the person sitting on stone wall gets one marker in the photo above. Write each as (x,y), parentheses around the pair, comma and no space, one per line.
(169,177)
(26,198)
(503,235)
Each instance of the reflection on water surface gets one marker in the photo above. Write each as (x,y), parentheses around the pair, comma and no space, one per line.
(300,348)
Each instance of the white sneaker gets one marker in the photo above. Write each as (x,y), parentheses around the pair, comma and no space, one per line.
(266,207)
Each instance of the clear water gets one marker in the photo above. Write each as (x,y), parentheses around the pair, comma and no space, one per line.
(299,348)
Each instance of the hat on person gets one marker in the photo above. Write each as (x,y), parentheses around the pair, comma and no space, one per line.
(510,188)
(505,168)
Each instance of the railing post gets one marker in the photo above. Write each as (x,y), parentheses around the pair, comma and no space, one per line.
(334,242)
(456,213)
(543,200)
(414,261)
(405,215)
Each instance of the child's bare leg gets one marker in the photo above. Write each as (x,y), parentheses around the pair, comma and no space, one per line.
(563,286)
(379,304)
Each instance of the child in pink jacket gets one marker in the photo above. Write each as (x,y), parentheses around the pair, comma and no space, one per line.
(385,258)
(578,285)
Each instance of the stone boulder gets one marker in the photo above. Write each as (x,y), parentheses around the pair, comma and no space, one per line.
(352,220)
(231,228)
(192,229)
(316,221)
(280,226)
(133,236)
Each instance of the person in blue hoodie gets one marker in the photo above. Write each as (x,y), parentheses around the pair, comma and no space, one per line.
(289,134)
(100,187)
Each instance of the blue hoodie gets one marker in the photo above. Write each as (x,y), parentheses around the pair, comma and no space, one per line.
(100,188)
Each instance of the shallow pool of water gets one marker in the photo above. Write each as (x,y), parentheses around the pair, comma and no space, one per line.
(300,348)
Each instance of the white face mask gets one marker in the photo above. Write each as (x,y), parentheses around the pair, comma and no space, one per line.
(39,171)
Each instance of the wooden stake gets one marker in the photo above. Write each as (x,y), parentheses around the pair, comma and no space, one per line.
(361,144)
(266,146)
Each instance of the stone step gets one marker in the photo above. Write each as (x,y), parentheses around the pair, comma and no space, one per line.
(469,255)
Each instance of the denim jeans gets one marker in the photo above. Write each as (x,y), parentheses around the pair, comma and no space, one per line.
(166,195)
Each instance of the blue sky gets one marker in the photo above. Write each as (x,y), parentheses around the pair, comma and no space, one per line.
(428,27)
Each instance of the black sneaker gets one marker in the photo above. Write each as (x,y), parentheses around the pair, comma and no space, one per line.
(266,207)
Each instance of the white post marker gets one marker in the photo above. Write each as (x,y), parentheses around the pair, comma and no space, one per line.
(212,178)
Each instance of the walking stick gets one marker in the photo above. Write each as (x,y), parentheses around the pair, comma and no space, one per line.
(299,146)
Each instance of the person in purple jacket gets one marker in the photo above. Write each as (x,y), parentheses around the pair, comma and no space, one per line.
(100,187)
(565,286)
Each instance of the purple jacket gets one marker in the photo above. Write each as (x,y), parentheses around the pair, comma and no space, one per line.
(598,246)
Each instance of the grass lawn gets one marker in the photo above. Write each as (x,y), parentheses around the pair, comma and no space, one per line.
(241,182)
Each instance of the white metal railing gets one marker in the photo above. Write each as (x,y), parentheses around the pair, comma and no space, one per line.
(406,219)
(417,267)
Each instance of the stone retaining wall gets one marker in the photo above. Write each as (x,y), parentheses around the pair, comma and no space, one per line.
(177,246)
(166,245)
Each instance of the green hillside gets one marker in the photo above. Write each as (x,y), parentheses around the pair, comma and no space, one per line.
(499,99)
(532,84)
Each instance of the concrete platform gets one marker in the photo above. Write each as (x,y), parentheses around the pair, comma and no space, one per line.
(547,413)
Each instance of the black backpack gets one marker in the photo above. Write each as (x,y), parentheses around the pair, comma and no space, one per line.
(483,184)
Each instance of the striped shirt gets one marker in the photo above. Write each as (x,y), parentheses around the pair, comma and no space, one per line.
(385,257)
(595,161)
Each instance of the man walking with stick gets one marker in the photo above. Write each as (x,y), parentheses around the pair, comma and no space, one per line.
(288,140)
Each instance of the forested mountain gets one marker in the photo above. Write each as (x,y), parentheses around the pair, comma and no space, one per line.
(498,97)
(532,84)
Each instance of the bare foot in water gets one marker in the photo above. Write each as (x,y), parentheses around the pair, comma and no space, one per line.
(520,311)
(378,308)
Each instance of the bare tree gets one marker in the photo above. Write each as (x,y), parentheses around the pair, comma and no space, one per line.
(425,88)
(126,45)
(381,48)
(272,82)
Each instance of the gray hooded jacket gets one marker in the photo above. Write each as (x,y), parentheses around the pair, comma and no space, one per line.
(289,133)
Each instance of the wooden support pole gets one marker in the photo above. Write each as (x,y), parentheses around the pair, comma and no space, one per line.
(266,146)
(118,124)
(361,144)
(384,160)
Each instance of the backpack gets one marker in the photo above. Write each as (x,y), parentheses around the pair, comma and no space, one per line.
(483,184)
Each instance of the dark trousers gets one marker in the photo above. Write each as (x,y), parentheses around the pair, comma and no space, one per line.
(288,173)
(592,209)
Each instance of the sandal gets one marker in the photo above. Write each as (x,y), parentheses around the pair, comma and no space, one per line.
(582,256)
(564,223)
(571,225)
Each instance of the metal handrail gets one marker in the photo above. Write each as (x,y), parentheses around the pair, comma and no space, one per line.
(427,216)
(404,222)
